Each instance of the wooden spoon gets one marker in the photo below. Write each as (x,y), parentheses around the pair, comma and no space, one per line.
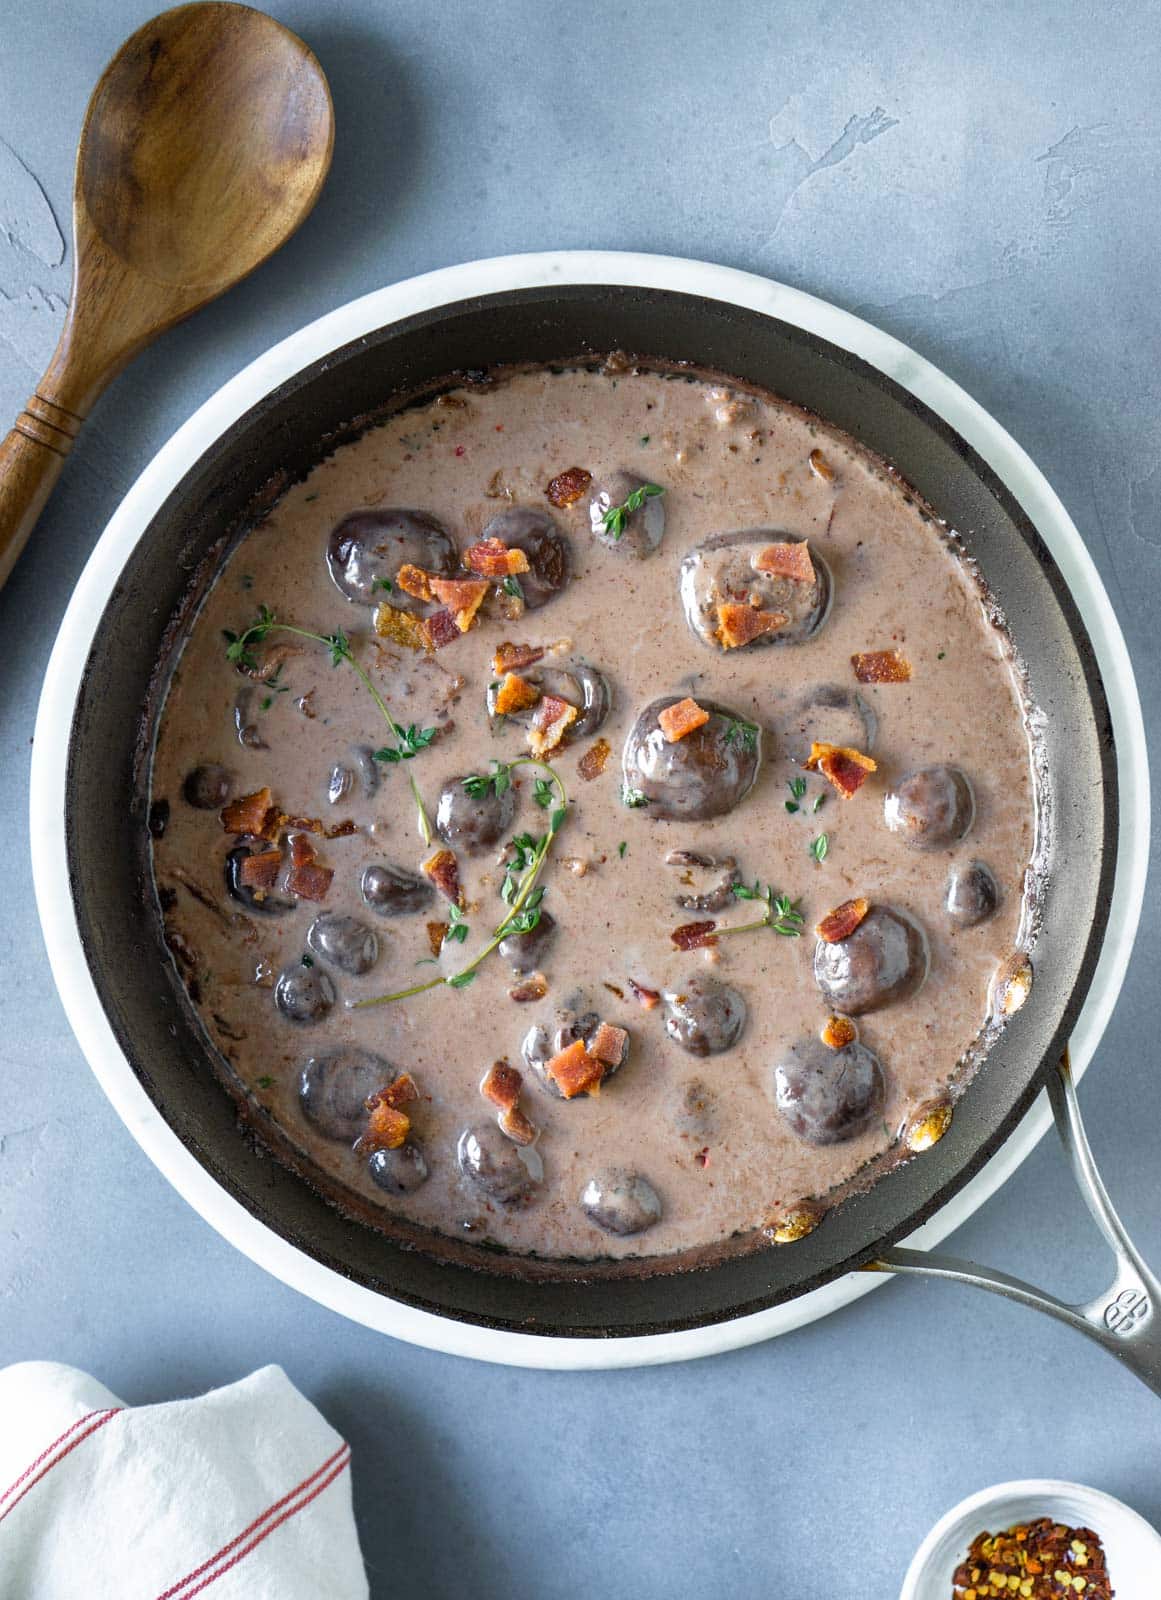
(205,145)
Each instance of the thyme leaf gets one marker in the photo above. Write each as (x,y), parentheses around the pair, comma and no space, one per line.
(615,517)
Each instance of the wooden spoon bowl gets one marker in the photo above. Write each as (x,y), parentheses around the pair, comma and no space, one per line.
(206,143)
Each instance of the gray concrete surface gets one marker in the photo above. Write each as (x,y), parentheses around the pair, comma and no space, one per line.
(981,180)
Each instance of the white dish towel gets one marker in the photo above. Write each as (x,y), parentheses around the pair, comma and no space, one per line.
(244,1492)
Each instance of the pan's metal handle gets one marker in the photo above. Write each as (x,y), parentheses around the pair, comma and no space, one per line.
(1126,1318)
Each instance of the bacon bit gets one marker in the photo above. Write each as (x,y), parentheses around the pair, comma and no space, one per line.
(387,1126)
(609,1044)
(845,769)
(567,487)
(401,627)
(517,1126)
(436,934)
(498,488)
(741,625)
(838,1032)
(613,989)
(302,850)
(260,871)
(444,871)
(248,813)
(881,666)
(501,1085)
(341,830)
(515,694)
(491,558)
(842,921)
(401,1091)
(791,1226)
(791,560)
(821,467)
(650,999)
(594,760)
(534,988)
(462,596)
(575,1071)
(309,882)
(550,722)
(439,629)
(513,657)
(694,935)
(676,722)
(414,581)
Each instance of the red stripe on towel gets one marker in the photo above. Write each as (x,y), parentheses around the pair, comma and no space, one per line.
(30,1476)
(261,1527)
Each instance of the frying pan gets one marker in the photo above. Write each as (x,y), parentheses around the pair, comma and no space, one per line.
(88,797)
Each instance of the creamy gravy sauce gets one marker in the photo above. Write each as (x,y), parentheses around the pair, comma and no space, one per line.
(725,461)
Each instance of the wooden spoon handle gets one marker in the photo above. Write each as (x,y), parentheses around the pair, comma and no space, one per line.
(31,458)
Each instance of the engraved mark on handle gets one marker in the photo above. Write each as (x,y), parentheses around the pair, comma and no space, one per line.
(1127,1311)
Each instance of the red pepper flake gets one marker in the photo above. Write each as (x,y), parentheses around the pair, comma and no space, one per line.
(444,872)
(491,558)
(881,666)
(309,882)
(575,1071)
(594,760)
(678,721)
(845,769)
(260,871)
(740,625)
(461,450)
(568,487)
(1036,1560)
(648,998)
(501,1085)
(514,657)
(842,921)
(248,813)
(694,935)
(790,560)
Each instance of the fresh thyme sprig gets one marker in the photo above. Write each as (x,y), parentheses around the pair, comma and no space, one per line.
(633,798)
(519,890)
(819,848)
(797,787)
(408,741)
(743,733)
(781,912)
(615,517)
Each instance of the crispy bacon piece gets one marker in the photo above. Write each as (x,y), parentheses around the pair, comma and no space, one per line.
(516,1125)
(881,666)
(514,657)
(842,921)
(741,625)
(387,1126)
(845,769)
(401,627)
(341,830)
(310,881)
(647,998)
(462,596)
(821,467)
(401,1091)
(694,935)
(436,933)
(575,1071)
(567,487)
(515,694)
(533,988)
(491,558)
(444,871)
(790,560)
(247,814)
(677,721)
(594,760)
(551,720)
(260,871)
(501,1085)
(439,629)
(838,1032)
(302,850)
(609,1044)
(414,581)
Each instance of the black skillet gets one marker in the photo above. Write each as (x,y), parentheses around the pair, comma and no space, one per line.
(284,435)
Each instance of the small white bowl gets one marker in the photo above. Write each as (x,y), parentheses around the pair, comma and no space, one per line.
(1132,1547)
